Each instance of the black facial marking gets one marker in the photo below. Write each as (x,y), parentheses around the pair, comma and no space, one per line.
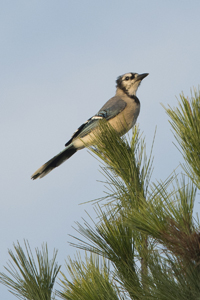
(135,98)
(119,82)
(120,85)
(132,75)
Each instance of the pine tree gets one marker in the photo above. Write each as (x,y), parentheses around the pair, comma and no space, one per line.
(29,279)
(146,230)
(145,243)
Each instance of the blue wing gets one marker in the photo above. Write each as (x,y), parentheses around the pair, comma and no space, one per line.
(111,109)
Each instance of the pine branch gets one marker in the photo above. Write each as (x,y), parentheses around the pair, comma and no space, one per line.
(185,122)
(27,281)
(89,281)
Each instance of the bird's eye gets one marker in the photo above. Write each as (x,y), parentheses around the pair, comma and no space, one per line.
(127,78)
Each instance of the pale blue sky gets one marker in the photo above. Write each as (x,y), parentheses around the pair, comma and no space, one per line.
(58,64)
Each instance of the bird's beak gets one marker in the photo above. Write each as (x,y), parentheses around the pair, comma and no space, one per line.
(141,76)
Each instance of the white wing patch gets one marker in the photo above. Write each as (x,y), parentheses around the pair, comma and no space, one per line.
(96,118)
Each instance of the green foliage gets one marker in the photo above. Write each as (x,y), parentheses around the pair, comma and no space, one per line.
(113,239)
(167,214)
(146,230)
(144,243)
(127,171)
(185,121)
(126,166)
(89,281)
(26,280)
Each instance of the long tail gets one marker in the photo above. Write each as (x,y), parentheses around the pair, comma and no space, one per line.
(54,162)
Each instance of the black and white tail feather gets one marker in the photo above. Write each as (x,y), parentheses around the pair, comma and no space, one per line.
(57,160)
(54,162)
(123,107)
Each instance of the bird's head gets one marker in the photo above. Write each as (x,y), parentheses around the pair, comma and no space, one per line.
(130,82)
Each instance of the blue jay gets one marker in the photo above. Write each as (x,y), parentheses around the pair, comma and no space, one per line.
(121,112)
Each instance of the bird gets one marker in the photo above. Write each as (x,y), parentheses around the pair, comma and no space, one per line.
(121,112)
